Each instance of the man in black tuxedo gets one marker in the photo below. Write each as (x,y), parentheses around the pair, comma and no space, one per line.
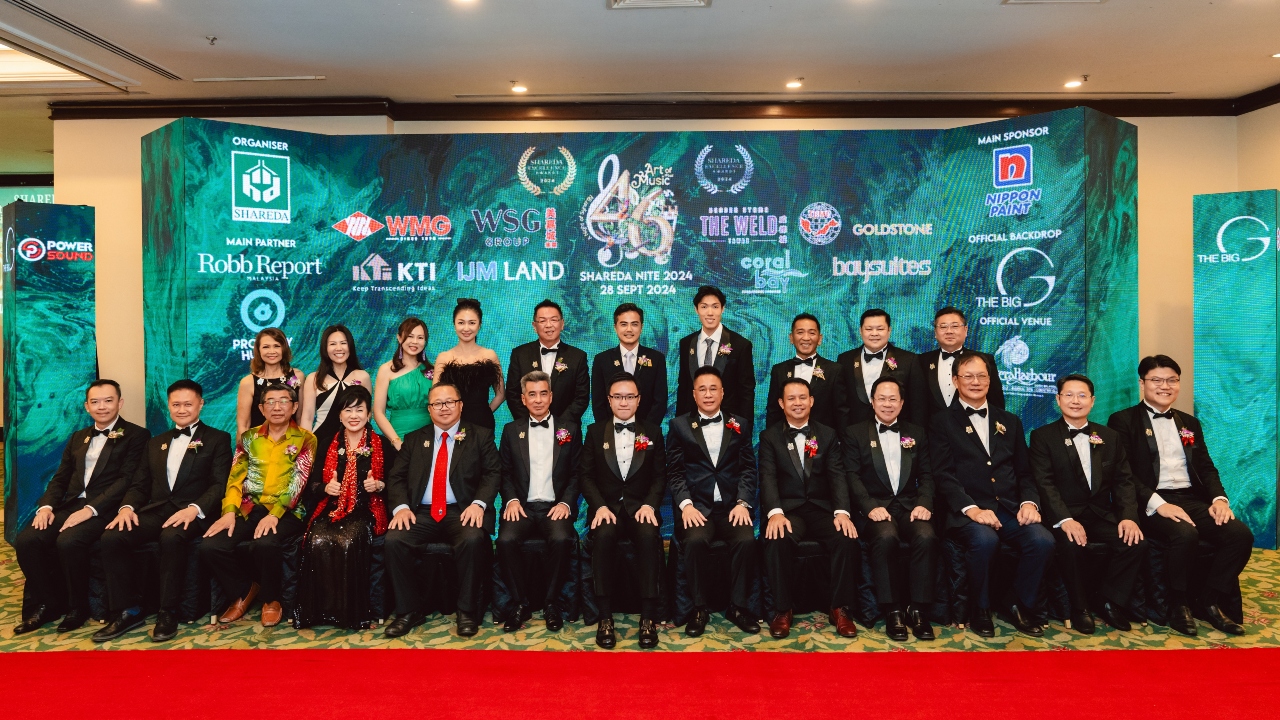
(979,458)
(1181,495)
(719,346)
(805,491)
(711,467)
(178,486)
(892,488)
(825,377)
(622,475)
(645,363)
(875,358)
(951,328)
(83,495)
(566,364)
(441,489)
(1087,494)
(540,497)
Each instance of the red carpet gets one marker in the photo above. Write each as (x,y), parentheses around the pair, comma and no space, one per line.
(315,684)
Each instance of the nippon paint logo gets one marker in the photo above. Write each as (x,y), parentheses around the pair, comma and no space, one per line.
(1011,166)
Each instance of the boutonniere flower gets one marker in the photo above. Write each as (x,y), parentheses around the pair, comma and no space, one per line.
(817,372)
(1094,439)
(811,446)
(365,451)
(560,366)
(893,364)
(357,382)
(644,361)
(907,442)
(291,450)
(462,435)
(1000,428)
(1188,437)
(563,436)
(292,380)
(725,349)
(733,425)
(115,434)
(430,373)
(642,442)
(195,445)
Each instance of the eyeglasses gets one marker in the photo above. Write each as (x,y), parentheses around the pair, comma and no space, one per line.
(1163,382)
(277,403)
(625,398)
(443,404)
(1075,396)
(970,377)
(950,326)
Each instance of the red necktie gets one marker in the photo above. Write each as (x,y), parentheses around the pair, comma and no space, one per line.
(440,478)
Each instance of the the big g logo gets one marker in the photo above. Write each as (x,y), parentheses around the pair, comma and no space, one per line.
(1240,239)
(1011,166)
(1015,283)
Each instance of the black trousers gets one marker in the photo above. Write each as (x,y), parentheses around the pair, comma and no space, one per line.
(810,522)
(1035,546)
(404,549)
(218,553)
(560,538)
(647,540)
(697,549)
(1232,542)
(1122,571)
(883,540)
(124,586)
(56,564)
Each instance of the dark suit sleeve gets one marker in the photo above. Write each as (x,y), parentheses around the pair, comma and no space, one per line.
(581,389)
(1027,489)
(658,484)
(839,399)
(139,490)
(599,376)
(854,470)
(587,475)
(995,393)
(210,501)
(1205,469)
(683,391)
(507,461)
(924,474)
(491,472)
(769,499)
(517,408)
(675,468)
(917,406)
(1052,507)
(772,412)
(398,476)
(135,450)
(747,401)
(571,491)
(944,471)
(57,488)
(748,475)
(658,412)
(839,478)
(1124,493)
(1120,422)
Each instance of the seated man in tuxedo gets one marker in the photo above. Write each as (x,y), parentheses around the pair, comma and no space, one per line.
(178,486)
(825,377)
(622,475)
(716,345)
(711,468)
(564,363)
(1086,491)
(805,491)
(951,328)
(892,488)
(875,358)
(260,507)
(97,463)
(979,459)
(441,489)
(1181,496)
(647,365)
(539,458)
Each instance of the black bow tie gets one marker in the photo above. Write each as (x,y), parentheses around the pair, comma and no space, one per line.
(806,361)
(619,427)
(976,411)
(96,432)
(944,355)
(868,357)
(1073,432)
(183,431)
(544,424)
(549,351)
(802,431)
(1167,415)
(887,428)
(713,420)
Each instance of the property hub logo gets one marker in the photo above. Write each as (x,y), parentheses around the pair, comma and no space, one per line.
(260,187)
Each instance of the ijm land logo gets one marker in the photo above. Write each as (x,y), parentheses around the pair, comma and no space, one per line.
(772,274)
(1243,238)
(1016,284)
(1011,167)
(1013,353)
(260,188)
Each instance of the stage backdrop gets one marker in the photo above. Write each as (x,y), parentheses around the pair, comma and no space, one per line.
(1027,224)
(1235,346)
(50,348)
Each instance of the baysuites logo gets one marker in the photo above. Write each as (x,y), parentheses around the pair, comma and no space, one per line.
(260,188)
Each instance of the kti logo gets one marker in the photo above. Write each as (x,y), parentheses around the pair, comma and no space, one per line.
(260,187)
(1010,288)
(357,226)
(1242,236)
(1011,166)
(374,268)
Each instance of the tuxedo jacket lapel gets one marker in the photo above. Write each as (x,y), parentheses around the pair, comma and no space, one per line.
(637,458)
(859,385)
(789,447)
(522,449)
(722,359)
(877,456)
(973,434)
(188,458)
(555,448)
(1152,446)
(696,429)
(808,462)
(693,359)
(105,456)
(611,450)
(1186,449)
(934,357)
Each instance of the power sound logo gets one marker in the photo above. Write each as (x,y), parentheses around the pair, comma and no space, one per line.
(260,188)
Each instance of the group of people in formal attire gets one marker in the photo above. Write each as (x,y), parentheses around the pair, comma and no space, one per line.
(856,450)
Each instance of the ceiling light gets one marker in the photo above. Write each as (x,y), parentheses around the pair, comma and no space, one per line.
(518,88)
(1277,55)
(1073,84)
(795,83)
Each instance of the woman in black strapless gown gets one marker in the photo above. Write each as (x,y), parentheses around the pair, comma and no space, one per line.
(474,381)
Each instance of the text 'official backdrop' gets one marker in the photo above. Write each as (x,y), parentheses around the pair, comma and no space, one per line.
(1028,224)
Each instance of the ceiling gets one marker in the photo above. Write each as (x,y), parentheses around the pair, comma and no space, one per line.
(453,51)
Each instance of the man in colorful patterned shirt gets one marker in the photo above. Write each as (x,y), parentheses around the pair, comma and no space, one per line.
(261,507)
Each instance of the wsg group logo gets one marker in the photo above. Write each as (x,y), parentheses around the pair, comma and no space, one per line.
(1250,230)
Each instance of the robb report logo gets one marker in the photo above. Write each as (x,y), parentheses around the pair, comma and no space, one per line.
(1243,238)
(261,266)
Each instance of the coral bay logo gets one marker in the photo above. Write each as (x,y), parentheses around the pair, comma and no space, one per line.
(357,226)
(867,269)
(258,266)
(260,188)
(819,223)
(34,250)
(772,274)
(1016,282)
(1017,381)
(1243,238)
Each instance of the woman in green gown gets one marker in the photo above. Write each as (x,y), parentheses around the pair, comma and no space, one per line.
(400,391)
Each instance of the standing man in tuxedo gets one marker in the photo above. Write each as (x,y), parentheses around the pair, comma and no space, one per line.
(564,363)
(97,463)
(1181,496)
(540,497)
(645,363)
(178,487)
(622,475)
(441,489)
(805,491)
(979,458)
(825,377)
(892,489)
(727,351)
(951,328)
(711,467)
(1087,494)
(875,358)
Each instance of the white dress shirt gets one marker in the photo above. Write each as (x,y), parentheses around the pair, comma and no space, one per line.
(91,456)
(1081,443)
(804,372)
(629,357)
(945,381)
(173,463)
(1173,461)
(624,444)
(713,435)
(449,498)
(541,450)
(701,350)
(548,360)
(871,369)
(982,426)
(891,447)
(798,440)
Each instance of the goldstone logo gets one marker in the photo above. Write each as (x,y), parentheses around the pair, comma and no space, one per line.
(260,188)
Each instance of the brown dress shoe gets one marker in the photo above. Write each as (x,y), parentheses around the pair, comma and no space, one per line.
(780,625)
(271,614)
(239,607)
(844,625)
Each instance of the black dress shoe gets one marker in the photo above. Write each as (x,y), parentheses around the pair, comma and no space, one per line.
(403,624)
(555,621)
(980,623)
(514,621)
(697,623)
(123,623)
(36,620)
(1082,622)
(73,620)
(1221,622)
(744,621)
(1180,619)
(1024,623)
(920,626)
(648,633)
(895,626)
(166,627)
(1115,616)
(467,625)
(606,636)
